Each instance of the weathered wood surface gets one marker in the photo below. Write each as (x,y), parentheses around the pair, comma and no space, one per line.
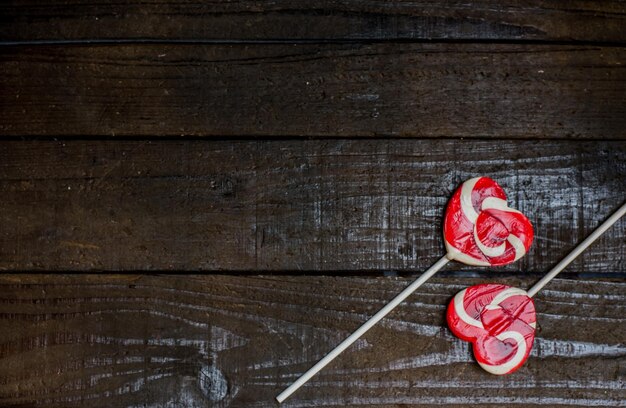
(413,90)
(316,205)
(234,341)
(582,20)
(501,88)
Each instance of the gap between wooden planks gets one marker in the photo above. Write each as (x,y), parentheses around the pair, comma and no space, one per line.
(325,90)
(313,20)
(235,341)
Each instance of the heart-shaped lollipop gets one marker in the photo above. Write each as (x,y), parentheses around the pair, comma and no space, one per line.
(480,228)
(500,323)
(500,320)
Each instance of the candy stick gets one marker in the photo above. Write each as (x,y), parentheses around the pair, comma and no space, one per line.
(361,330)
(578,250)
(479,229)
(490,315)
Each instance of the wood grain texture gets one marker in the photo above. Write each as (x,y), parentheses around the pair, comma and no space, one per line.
(411,90)
(582,20)
(228,341)
(278,205)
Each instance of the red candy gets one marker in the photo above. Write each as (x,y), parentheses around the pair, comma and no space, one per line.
(480,229)
(500,322)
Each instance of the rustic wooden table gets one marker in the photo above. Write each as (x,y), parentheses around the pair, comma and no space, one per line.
(251,180)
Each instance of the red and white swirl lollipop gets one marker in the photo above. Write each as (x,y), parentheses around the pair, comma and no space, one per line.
(500,320)
(500,323)
(479,229)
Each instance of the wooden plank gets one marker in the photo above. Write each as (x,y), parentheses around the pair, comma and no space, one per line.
(308,205)
(411,90)
(84,20)
(233,341)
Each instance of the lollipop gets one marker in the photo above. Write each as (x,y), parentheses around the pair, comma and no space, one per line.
(500,320)
(479,229)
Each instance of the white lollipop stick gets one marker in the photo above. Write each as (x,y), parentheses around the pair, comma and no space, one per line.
(364,328)
(578,250)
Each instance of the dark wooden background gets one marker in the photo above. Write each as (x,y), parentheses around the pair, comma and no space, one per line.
(200,199)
